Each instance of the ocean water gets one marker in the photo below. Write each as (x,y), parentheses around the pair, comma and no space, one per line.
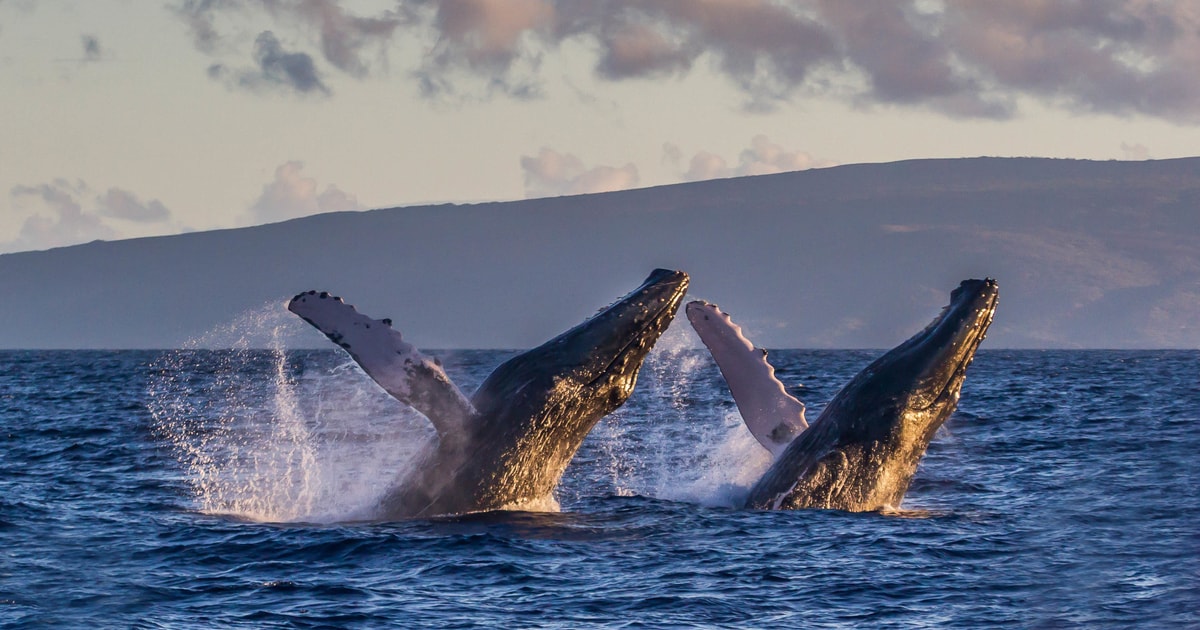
(199,488)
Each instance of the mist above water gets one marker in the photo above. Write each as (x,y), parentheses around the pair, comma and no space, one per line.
(278,435)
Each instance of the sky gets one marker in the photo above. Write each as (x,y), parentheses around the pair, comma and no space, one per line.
(126,118)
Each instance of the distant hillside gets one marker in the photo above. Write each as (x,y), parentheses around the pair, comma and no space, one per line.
(1088,254)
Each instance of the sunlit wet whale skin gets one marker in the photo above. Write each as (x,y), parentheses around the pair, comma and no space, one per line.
(861,453)
(510,443)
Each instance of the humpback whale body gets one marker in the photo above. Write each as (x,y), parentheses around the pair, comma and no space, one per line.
(508,444)
(861,453)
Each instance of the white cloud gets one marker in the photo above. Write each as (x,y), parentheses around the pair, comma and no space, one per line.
(762,157)
(291,194)
(705,165)
(551,173)
(57,215)
(487,34)
(62,221)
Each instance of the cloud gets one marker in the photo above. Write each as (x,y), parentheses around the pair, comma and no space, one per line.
(200,18)
(765,157)
(1092,55)
(122,204)
(58,216)
(290,195)
(277,66)
(343,38)
(91,48)
(67,224)
(551,174)
(277,69)
(762,157)
(487,35)
(498,42)
(766,48)
(904,62)
(1135,151)
(672,154)
(705,165)
(967,59)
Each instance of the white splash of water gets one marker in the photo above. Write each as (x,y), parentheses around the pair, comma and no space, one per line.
(731,461)
(609,434)
(270,435)
(685,448)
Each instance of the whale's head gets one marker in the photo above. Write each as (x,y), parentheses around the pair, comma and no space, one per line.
(911,390)
(862,451)
(596,362)
(548,398)
(603,355)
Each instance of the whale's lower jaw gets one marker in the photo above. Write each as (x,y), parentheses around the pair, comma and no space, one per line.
(851,479)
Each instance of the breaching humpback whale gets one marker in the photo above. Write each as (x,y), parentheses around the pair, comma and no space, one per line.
(509,443)
(861,453)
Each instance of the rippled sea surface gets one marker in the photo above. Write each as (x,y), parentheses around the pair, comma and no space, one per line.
(233,489)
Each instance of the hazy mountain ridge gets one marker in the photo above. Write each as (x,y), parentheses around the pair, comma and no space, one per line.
(1088,254)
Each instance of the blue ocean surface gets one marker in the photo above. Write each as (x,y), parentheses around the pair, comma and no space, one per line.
(199,488)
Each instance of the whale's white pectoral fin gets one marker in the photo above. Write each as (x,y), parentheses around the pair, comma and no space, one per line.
(772,415)
(403,371)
